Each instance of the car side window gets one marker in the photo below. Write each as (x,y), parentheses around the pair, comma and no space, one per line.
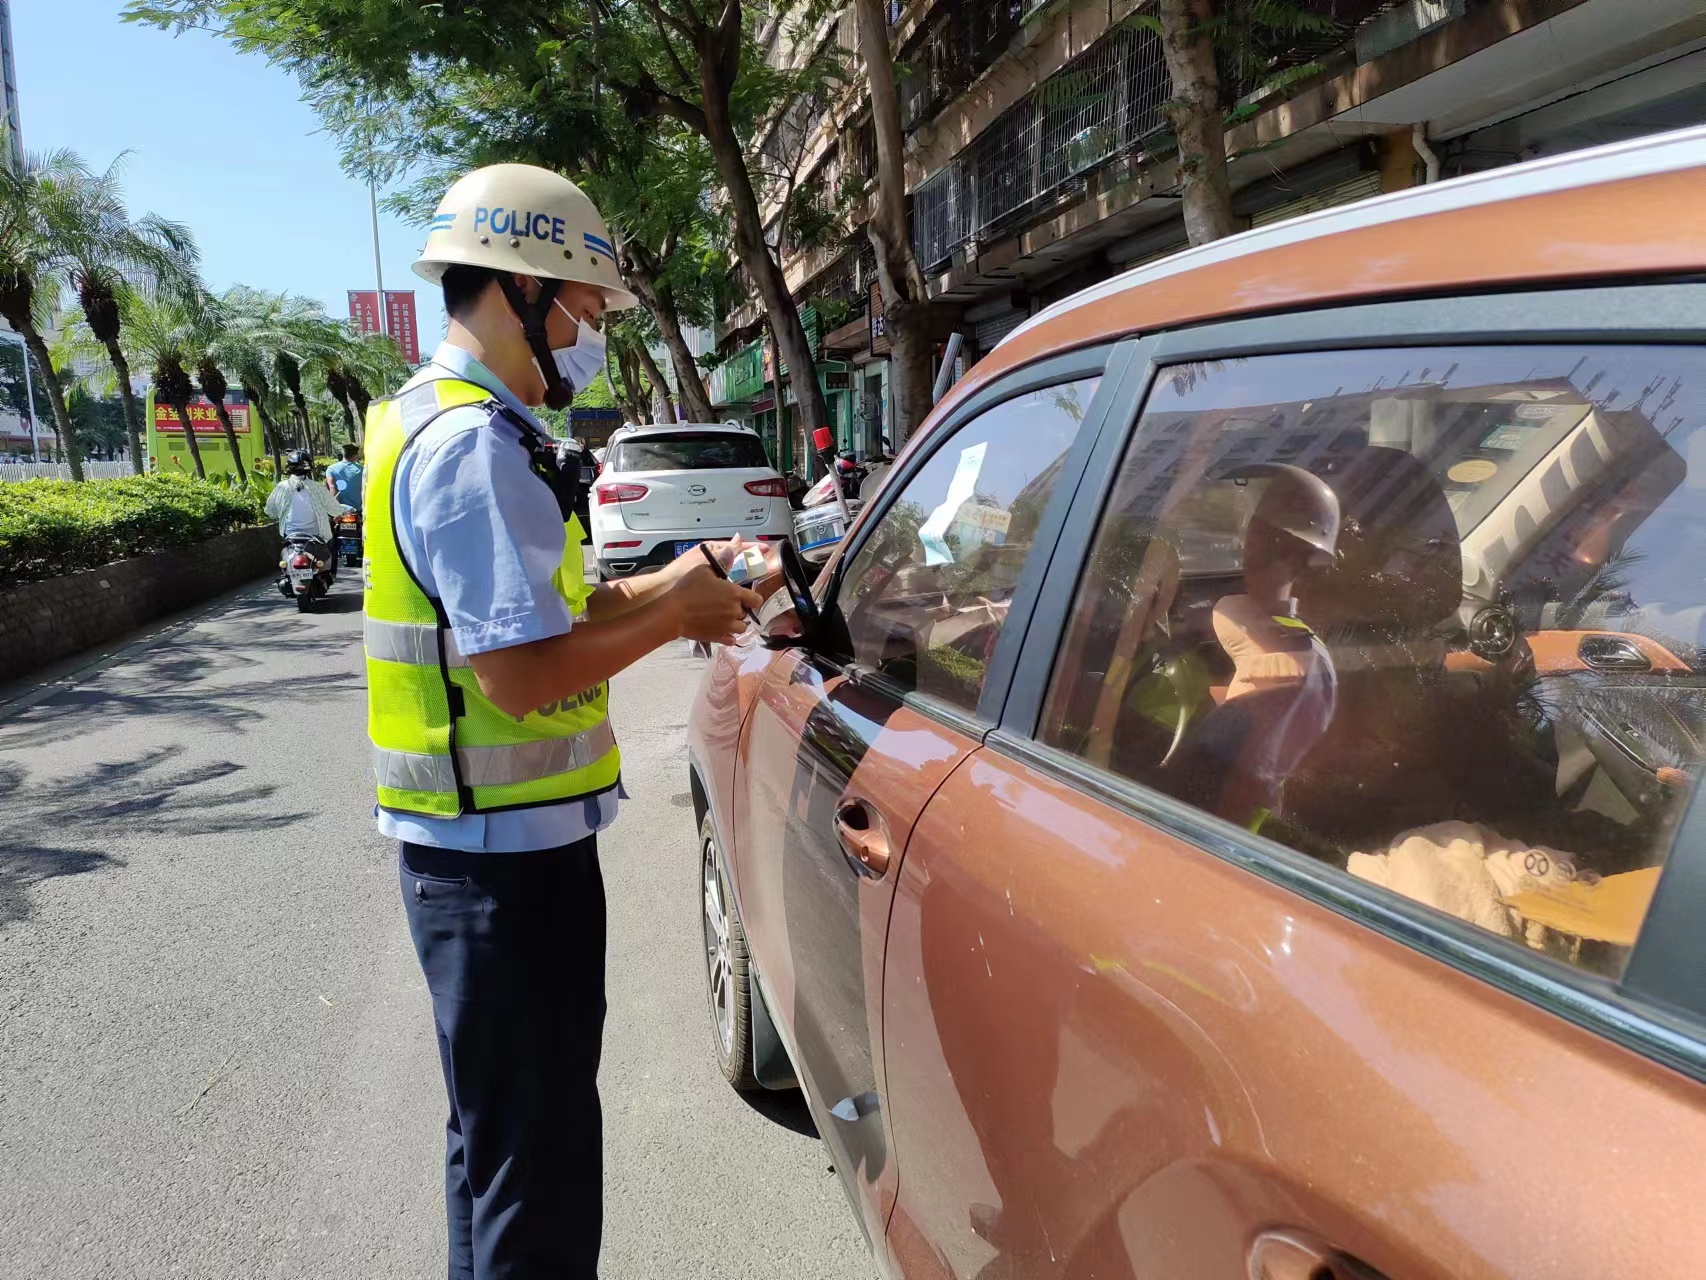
(1434,617)
(924,598)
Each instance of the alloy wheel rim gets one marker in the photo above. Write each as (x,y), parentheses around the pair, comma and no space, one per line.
(719,959)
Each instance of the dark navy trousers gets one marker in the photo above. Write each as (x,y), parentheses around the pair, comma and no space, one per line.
(512,945)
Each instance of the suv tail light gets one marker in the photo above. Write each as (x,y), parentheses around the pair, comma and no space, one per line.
(776,488)
(612,493)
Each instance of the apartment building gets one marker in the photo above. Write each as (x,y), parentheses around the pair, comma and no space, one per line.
(1036,163)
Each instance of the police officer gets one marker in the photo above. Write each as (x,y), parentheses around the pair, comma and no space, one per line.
(496,764)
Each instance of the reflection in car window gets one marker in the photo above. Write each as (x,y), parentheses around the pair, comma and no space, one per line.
(1434,617)
(924,599)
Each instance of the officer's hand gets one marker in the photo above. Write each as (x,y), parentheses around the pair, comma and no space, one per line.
(725,552)
(707,608)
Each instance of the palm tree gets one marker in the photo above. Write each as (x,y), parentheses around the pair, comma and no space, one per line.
(41,227)
(329,348)
(337,386)
(160,330)
(256,327)
(311,335)
(205,333)
(289,370)
(122,255)
(373,363)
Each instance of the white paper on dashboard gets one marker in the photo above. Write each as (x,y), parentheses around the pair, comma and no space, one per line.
(932,533)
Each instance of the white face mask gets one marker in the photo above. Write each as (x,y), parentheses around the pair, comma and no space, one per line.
(581,363)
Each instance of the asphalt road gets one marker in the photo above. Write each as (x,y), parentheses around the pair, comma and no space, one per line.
(216,1056)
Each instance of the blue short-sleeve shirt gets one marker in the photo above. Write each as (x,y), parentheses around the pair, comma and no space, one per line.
(484,535)
(346,476)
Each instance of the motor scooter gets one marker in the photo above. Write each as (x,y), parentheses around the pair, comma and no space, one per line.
(348,537)
(309,568)
(820,524)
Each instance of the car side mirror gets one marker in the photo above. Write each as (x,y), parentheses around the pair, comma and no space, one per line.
(789,617)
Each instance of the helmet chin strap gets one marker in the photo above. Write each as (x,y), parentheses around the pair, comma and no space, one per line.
(533,315)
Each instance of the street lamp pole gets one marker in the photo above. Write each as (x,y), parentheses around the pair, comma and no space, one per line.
(30,398)
(378,270)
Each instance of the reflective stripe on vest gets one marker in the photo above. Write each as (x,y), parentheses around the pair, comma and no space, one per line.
(440,746)
(494,766)
(410,642)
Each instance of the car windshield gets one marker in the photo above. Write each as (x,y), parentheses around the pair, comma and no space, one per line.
(690,451)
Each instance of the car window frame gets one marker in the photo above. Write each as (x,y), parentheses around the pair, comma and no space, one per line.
(1109,361)
(1650,1008)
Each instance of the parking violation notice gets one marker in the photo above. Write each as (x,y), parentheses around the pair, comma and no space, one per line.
(933,532)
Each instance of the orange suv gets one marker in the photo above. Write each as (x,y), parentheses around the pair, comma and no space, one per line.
(1227,810)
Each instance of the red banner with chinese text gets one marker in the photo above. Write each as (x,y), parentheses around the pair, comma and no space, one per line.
(364,310)
(405,330)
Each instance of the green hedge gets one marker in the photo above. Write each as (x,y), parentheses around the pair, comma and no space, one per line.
(54,527)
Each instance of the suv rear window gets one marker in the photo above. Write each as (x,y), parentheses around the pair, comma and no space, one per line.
(690,451)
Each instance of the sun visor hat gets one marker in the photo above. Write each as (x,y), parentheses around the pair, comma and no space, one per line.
(523,219)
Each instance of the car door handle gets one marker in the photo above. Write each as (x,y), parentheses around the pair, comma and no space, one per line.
(1287,1254)
(862,837)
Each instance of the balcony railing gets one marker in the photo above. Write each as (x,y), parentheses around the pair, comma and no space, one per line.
(1104,104)
(957,44)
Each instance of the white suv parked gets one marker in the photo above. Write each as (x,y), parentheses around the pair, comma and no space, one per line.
(665,488)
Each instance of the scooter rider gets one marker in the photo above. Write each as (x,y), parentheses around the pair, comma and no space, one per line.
(302,508)
(487,657)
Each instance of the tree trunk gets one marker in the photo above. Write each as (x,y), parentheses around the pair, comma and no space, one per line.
(659,299)
(906,298)
(132,413)
(257,399)
(754,253)
(231,440)
(1197,118)
(55,396)
(349,424)
(303,424)
(690,380)
(661,403)
(183,410)
(632,393)
(360,399)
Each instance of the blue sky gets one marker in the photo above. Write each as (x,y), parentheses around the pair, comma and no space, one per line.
(219,141)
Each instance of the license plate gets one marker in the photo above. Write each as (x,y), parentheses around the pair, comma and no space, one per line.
(682,548)
(301,575)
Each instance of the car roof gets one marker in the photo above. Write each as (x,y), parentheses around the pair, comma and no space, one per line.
(1627,210)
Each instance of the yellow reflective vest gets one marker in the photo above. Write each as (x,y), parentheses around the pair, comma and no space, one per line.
(440,747)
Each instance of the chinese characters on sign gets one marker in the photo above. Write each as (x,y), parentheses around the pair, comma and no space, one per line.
(364,310)
(204,417)
(400,311)
(399,317)
(879,332)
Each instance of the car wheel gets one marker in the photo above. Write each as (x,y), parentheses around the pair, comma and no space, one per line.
(727,970)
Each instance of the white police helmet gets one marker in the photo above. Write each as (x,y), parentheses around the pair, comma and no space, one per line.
(527,220)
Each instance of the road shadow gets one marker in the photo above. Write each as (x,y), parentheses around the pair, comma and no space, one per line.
(784,1107)
(56,826)
(188,678)
(340,602)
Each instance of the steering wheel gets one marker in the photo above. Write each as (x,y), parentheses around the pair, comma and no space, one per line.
(799,585)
